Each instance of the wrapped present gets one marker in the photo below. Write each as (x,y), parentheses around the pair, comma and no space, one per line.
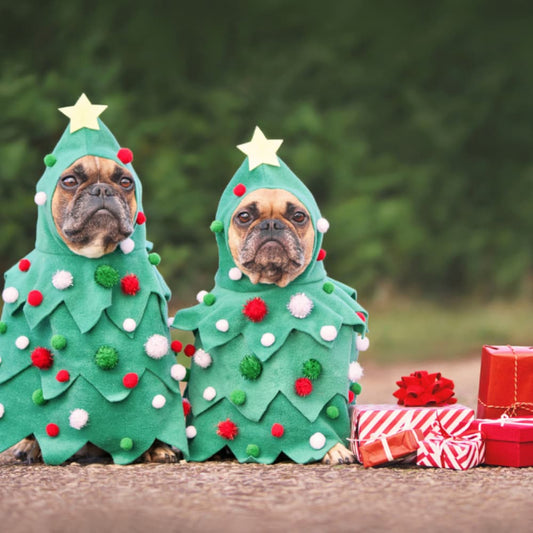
(508,441)
(388,449)
(506,382)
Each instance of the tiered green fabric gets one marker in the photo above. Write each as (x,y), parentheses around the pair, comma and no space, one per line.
(93,401)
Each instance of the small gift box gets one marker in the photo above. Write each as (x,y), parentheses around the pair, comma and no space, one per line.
(509,441)
(388,449)
(506,382)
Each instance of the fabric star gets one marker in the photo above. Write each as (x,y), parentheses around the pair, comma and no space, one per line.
(261,150)
(83,114)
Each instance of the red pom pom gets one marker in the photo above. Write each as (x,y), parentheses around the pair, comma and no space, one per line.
(303,387)
(351,396)
(361,316)
(62,376)
(24,265)
(42,358)
(239,190)
(130,380)
(52,430)
(190,350)
(141,218)
(227,429)
(125,155)
(176,346)
(277,430)
(186,406)
(35,298)
(255,309)
(130,284)
(321,255)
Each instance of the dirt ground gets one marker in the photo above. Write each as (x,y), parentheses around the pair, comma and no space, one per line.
(226,496)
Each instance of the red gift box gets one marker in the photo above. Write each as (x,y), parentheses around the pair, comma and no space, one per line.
(506,382)
(387,449)
(509,441)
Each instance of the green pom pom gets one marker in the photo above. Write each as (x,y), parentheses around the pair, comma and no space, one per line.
(106,276)
(50,160)
(355,388)
(58,342)
(328,287)
(312,369)
(333,412)
(251,367)
(209,299)
(106,357)
(238,397)
(3,328)
(216,226)
(37,397)
(154,258)
(126,444)
(252,450)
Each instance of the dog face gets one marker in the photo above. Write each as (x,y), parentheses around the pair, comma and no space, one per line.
(271,236)
(94,206)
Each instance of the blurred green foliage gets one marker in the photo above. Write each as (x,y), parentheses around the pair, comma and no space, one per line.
(412,122)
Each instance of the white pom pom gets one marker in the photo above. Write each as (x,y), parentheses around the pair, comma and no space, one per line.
(170,321)
(209,393)
(268,339)
(355,371)
(300,305)
(127,245)
(322,225)
(222,325)
(129,325)
(328,333)
(40,198)
(178,372)
(156,346)
(2,410)
(200,296)
(158,401)
(78,418)
(10,295)
(317,441)
(202,358)
(62,280)
(0,360)
(22,342)
(190,431)
(234,274)
(362,344)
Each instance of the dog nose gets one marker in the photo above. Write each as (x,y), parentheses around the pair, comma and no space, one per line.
(101,189)
(272,224)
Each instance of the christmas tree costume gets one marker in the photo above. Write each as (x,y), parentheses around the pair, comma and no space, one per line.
(274,368)
(84,343)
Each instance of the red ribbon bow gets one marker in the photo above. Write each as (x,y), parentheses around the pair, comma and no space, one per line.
(421,388)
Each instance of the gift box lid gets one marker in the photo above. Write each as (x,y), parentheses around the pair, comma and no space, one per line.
(508,429)
(508,350)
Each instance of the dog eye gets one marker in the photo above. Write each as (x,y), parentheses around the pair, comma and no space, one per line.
(244,217)
(126,183)
(69,182)
(299,217)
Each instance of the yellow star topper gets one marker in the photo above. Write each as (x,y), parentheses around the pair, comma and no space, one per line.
(83,114)
(261,150)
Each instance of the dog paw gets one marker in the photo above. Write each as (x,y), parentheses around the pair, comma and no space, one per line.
(160,453)
(28,451)
(338,455)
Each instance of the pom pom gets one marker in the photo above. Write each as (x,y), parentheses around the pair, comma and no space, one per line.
(129,325)
(238,397)
(351,396)
(2,410)
(356,388)
(52,430)
(62,376)
(3,328)
(200,296)
(332,412)
(186,404)
(176,346)
(37,397)
(58,342)
(78,418)
(178,372)
(125,155)
(106,357)
(328,333)
(312,369)
(317,441)
(328,287)
(227,429)
(252,450)
(321,255)
(209,393)
(355,371)
(255,309)
(130,284)
(277,430)
(10,295)
(222,325)
(170,321)
(239,189)
(361,316)
(216,226)
(190,432)
(303,387)
(130,380)
(361,343)
(22,342)
(300,305)
(62,280)
(189,350)
(50,160)
(35,298)
(42,358)
(141,218)
(156,346)
(250,367)
(127,245)
(234,274)
(154,258)
(268,339)
(126,444)
(158,401)
(209,299)
(322,225)
(421,388)
(202,358)
(106,276)
(24,265)
(40,198)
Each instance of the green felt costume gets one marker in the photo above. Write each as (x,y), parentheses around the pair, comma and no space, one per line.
(82,360)
(280,384)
